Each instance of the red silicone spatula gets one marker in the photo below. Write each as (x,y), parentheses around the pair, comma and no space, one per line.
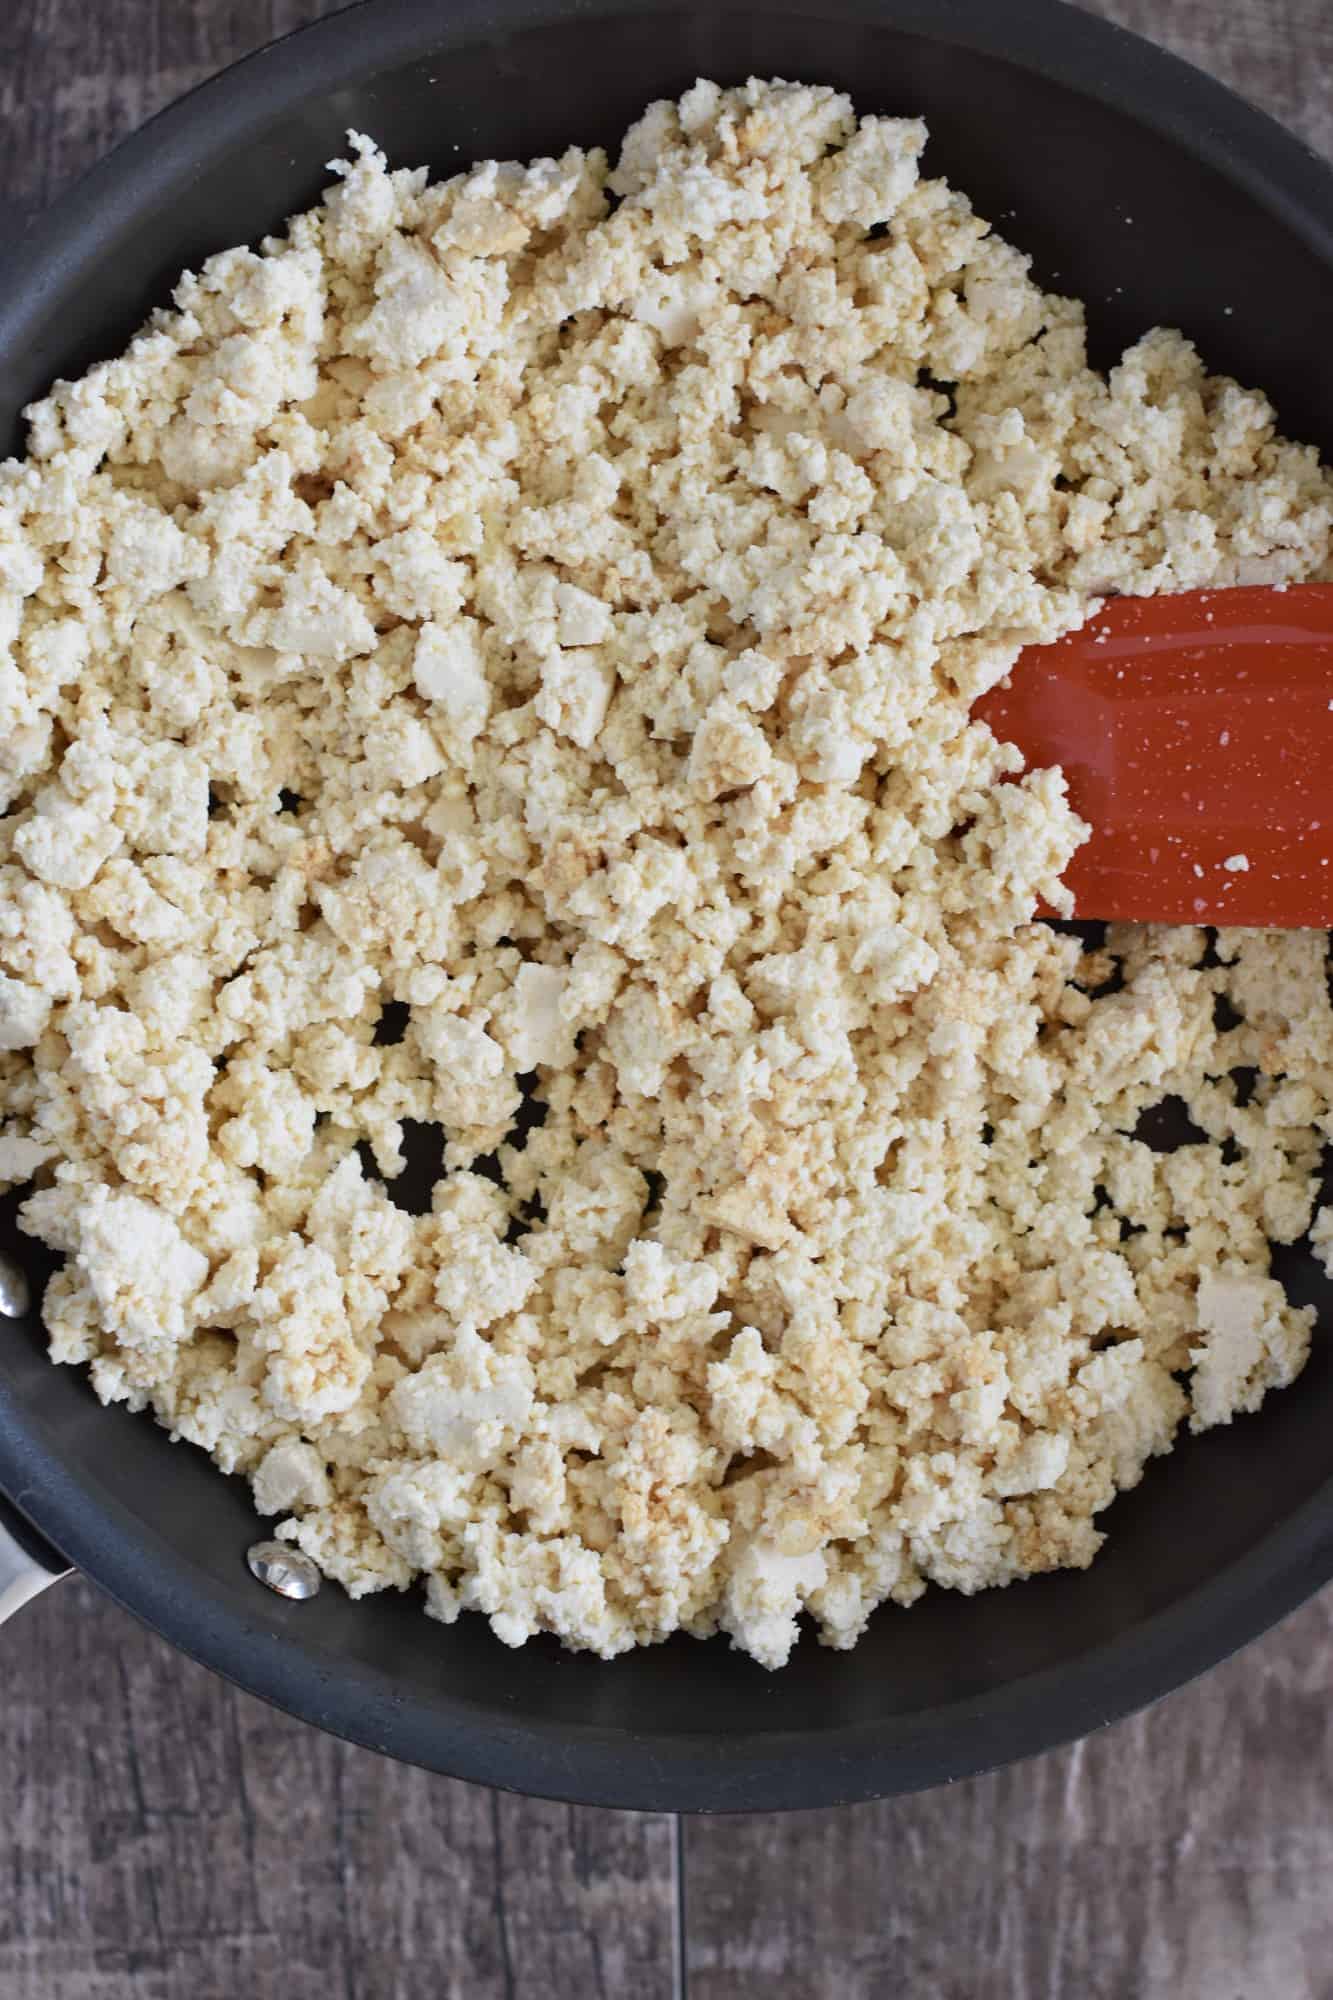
(1196,733)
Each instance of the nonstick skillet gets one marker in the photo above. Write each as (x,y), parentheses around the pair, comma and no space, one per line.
(1141,186)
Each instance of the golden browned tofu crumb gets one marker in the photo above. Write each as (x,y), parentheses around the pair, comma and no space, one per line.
(546,605)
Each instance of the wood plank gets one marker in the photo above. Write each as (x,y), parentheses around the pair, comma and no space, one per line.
(1278,53)
(162,1834)
(1183,1855)
(74,78)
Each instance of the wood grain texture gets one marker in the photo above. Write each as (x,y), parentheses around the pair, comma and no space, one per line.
(163,1836)
(77,75)
(1278,53)
(1183,1855)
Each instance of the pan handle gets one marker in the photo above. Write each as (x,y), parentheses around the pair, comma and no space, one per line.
(27,1563)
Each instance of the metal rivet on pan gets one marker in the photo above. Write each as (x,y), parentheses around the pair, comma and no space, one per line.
(15,1291)
(283,1569)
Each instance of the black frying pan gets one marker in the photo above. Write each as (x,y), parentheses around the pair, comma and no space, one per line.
(1155,195)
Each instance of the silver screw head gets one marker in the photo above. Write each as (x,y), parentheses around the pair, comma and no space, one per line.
(15,1291)
(283,1569)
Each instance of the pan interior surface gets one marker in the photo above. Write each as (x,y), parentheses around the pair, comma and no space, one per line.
(1222,1536)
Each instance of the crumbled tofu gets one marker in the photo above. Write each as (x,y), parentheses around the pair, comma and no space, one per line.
(1250,1340)
(535,1031)
(485,681)
(448,671)
(24,1013)
(290,1474)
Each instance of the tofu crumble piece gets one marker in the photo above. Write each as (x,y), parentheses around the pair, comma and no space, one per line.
(505,646)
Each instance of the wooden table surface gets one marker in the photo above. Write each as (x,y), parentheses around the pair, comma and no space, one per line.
(163,1837)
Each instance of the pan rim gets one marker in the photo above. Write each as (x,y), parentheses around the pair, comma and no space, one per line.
(656,1771)
(584,1762)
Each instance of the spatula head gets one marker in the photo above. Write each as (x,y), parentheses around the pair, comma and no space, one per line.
(1196,733)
